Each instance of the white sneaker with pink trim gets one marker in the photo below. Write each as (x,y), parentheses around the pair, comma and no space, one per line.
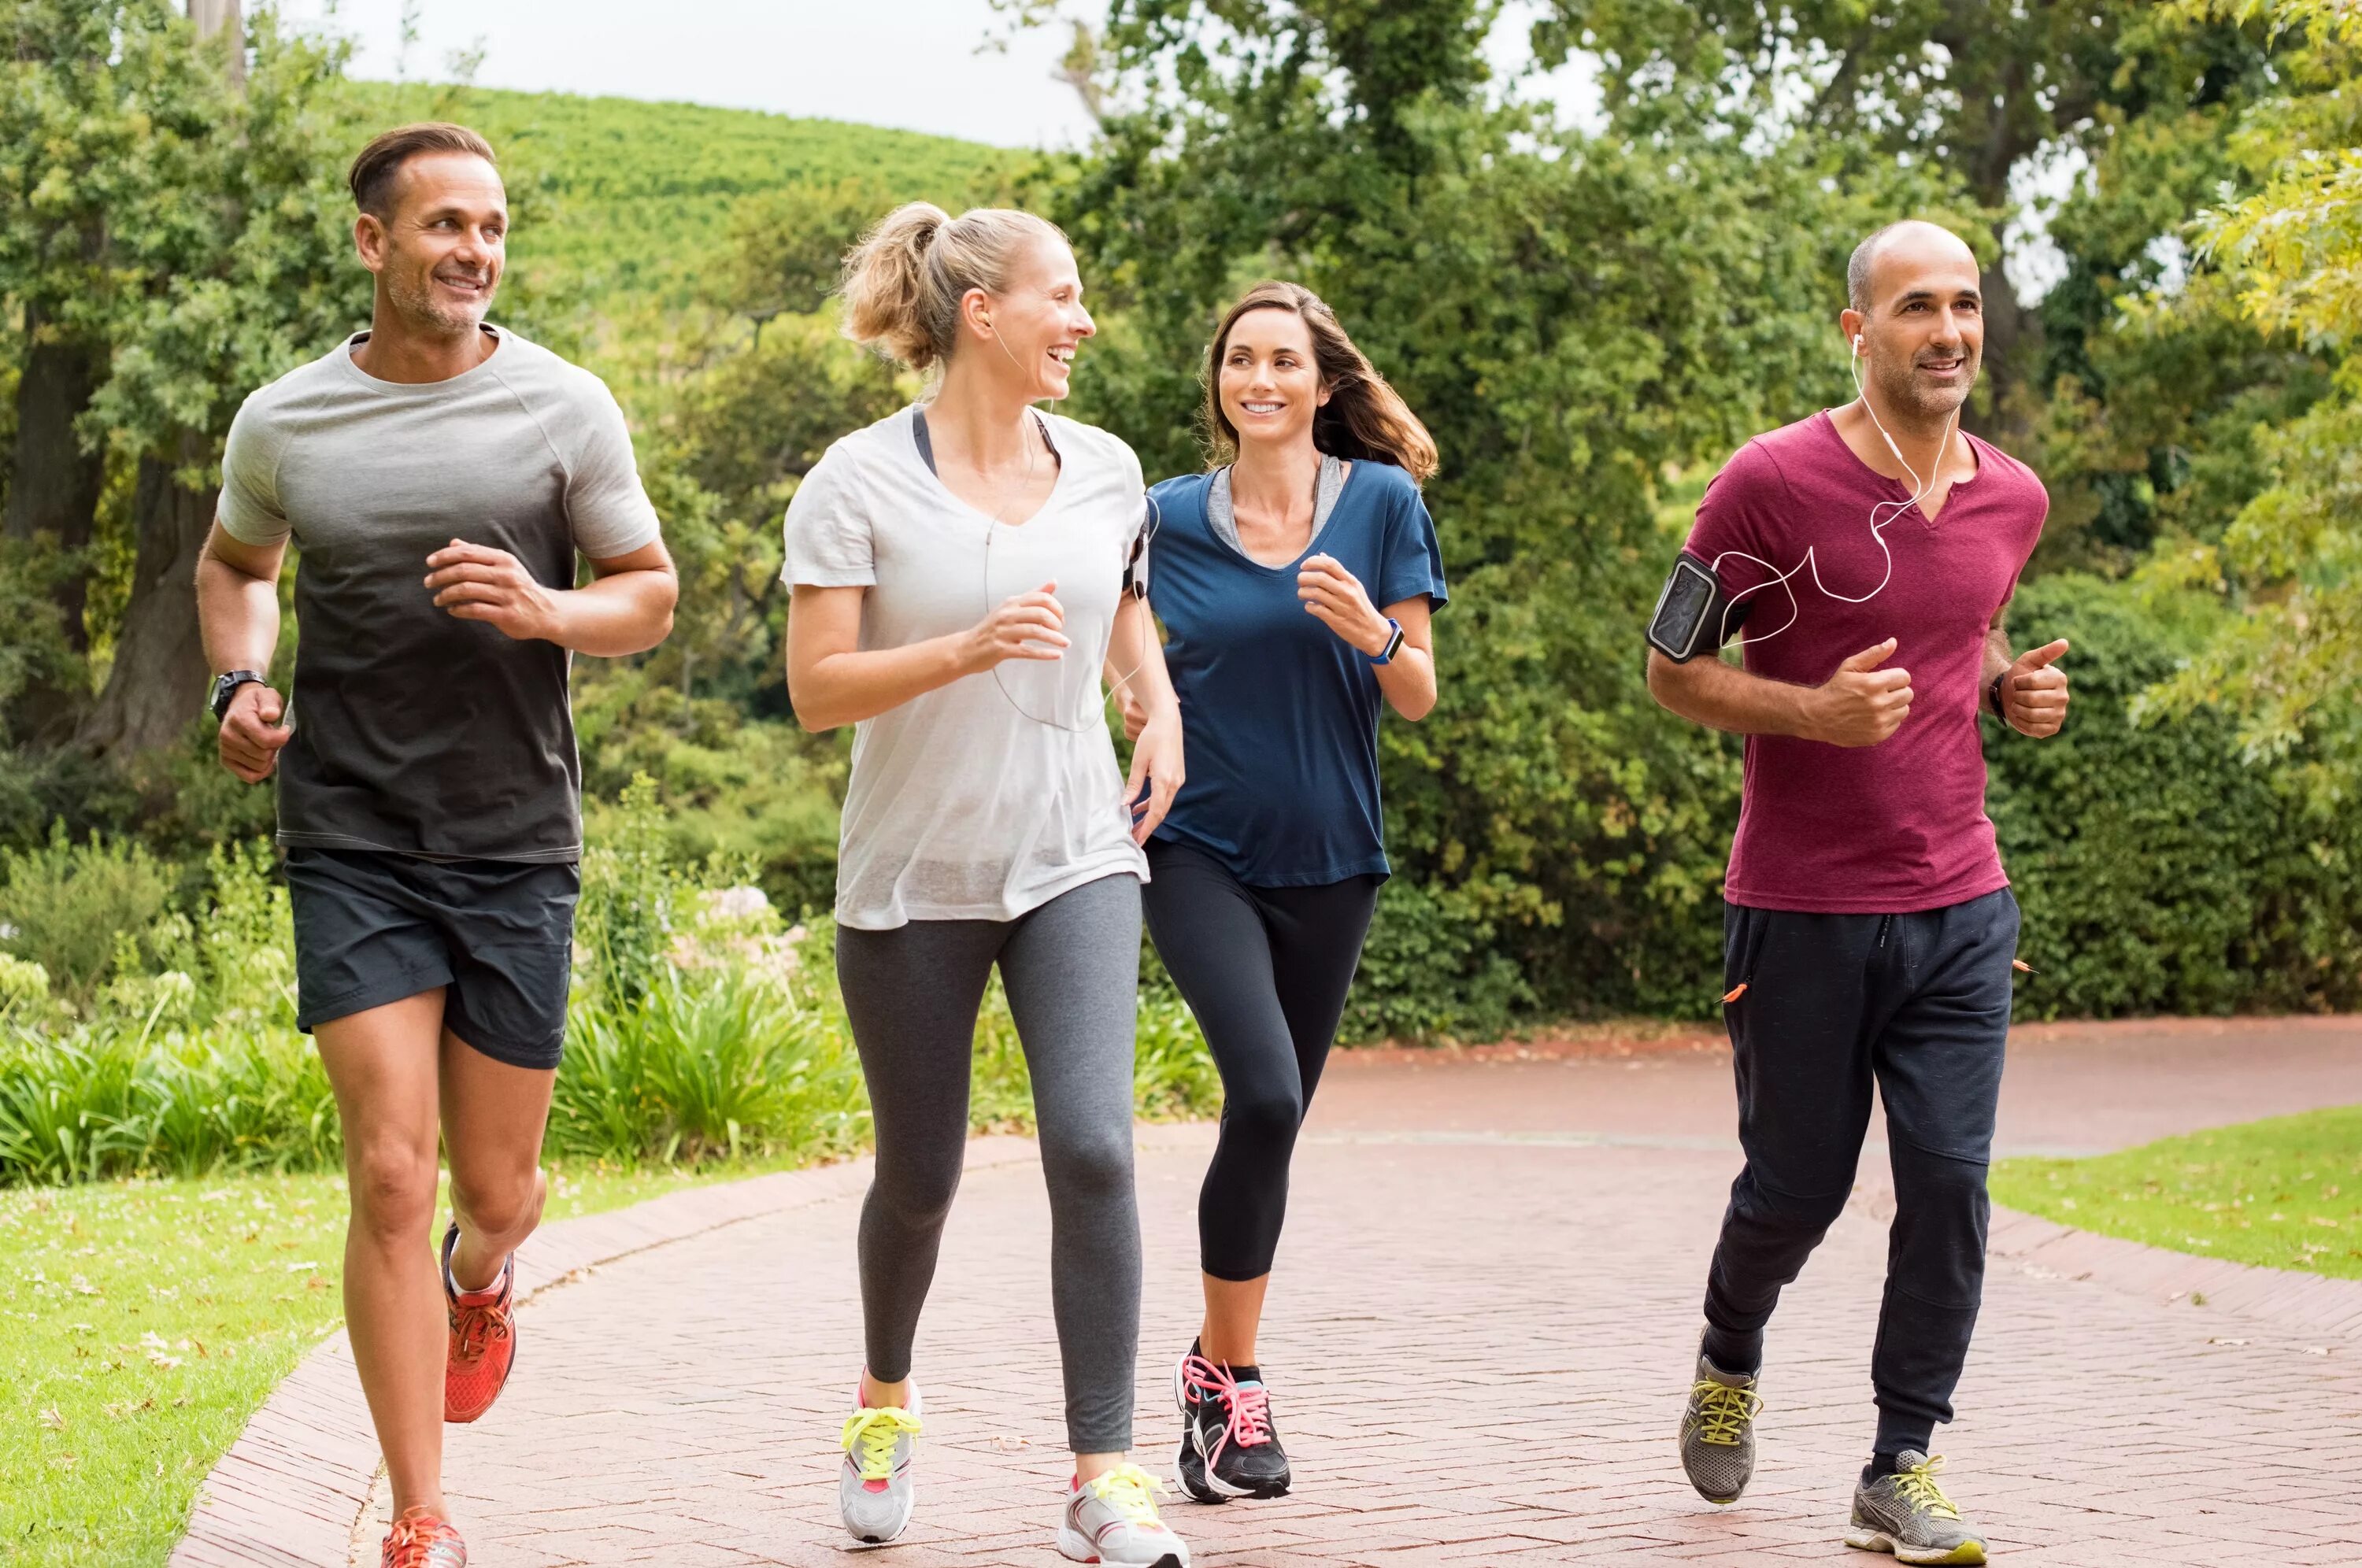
(1113,1518)
(874,1491)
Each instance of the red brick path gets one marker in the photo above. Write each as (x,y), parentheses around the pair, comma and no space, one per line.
(1478,1343)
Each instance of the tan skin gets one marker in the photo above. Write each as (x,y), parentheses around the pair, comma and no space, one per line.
(402,1079)
(1920,346)
(1270,389)
(1013,350)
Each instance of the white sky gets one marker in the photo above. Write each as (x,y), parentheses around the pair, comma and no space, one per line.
(909,63)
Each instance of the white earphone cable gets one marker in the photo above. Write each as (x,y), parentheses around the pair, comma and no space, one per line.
(1921,489)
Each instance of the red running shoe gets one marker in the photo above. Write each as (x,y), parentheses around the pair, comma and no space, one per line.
(483,1342)
(419,1539)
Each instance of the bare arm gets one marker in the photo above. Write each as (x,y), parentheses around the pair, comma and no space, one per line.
(1862,704)
(831,680)
(1151,716)
(626,608)
(1409,680)
(237,618)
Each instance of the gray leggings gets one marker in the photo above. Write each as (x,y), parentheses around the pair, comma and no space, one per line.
(1072,971)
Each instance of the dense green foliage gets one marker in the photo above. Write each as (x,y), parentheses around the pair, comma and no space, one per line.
(702,1028)
(1589,323)
(2281,1193)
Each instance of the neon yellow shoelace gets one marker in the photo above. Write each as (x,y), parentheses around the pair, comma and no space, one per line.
(1918,1486)
(1723,1411)
(870,1437)
(1130,1491)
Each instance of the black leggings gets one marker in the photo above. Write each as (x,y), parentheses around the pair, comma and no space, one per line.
(1266,970)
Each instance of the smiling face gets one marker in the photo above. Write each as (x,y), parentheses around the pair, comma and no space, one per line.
(439,247)
(1923,336)
(1037,321)
(1269,381)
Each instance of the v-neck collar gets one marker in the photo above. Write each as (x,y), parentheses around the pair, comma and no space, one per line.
(1826,419)
(926,446)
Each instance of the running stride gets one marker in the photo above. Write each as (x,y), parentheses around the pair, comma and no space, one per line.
(1270,575)
(1866,555)
(958,573)
(440,476)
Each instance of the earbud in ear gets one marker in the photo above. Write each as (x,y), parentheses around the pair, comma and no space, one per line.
(1857,342)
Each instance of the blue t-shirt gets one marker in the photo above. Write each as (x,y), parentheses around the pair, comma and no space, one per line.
(1279,714)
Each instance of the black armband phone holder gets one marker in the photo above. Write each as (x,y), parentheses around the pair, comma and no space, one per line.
(1693,614)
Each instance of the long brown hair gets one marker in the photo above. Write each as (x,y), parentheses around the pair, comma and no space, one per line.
(1364,418)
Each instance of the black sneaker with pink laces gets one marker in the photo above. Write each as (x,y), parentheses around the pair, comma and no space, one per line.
(1228,1446)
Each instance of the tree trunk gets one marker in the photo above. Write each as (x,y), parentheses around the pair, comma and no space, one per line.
(158,683)
(212,17)
(54,484)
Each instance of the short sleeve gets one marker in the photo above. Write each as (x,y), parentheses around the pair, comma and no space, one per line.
(829,543)
(248,509)
(606,505)
(1737,520)
(1413,562)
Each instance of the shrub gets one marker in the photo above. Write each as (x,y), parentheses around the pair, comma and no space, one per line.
(67,906)
(2159,870)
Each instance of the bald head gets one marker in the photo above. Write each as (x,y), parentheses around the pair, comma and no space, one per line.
(1914,240)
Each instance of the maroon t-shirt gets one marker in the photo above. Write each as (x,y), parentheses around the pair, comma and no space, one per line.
(1898,826)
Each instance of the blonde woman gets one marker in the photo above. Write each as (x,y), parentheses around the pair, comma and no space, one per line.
(958,574)
(1297,583)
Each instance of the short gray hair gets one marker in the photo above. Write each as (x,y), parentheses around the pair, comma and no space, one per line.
(1865,255)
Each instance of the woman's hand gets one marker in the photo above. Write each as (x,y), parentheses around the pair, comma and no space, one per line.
(1337,596)
(1024,625)
(1156,770)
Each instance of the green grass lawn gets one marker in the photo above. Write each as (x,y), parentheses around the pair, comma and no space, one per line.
(2285,1193)
(142,1322)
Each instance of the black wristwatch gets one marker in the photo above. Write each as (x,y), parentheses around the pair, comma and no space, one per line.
(226,687)
(1993,695)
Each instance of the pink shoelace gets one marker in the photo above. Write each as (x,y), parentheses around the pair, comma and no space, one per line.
(1246,1406)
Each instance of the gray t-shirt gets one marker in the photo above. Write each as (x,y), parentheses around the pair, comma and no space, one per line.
(991,796)
(417,732)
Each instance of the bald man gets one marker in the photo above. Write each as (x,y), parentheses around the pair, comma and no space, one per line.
(1864,556)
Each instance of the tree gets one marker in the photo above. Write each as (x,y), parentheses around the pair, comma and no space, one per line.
(2288,259)
(245,270)
(1979,92)
(1575,319)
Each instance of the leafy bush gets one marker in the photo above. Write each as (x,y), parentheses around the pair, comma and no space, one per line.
(2159,870)
(67,906)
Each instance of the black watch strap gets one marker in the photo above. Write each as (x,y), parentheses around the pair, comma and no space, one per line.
(227,686)
(1992,697)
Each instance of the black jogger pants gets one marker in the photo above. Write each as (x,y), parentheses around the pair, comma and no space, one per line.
(1917,1004)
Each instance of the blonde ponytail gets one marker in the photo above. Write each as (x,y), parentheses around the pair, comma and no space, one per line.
(904,281)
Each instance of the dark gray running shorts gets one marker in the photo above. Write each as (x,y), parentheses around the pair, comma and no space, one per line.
(496,936)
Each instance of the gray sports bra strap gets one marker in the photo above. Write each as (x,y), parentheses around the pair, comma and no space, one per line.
(927,446)
(1224,518)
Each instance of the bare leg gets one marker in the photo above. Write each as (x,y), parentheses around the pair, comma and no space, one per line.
(1233,1314)
(383,1065)
(493,1116)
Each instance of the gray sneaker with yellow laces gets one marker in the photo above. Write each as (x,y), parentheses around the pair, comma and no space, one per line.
(1907,1514)
(1718,1431)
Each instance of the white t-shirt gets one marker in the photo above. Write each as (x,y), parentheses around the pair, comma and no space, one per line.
(986,798)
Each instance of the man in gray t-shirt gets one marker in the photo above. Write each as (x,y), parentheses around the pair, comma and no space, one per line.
(440,477)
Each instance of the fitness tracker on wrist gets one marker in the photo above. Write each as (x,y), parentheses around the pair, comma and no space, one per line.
(1394,644)
(226,687)
(1993,699)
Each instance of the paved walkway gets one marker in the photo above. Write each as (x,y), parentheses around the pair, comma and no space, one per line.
(1480,1340)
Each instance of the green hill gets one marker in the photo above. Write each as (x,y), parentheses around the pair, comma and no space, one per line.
(629,200)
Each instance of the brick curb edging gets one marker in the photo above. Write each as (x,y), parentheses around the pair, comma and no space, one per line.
(2304,1304)
(292,1489)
